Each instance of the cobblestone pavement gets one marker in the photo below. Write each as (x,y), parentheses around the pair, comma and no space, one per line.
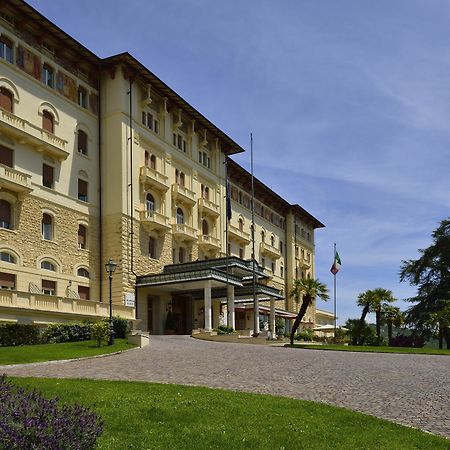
(409,389)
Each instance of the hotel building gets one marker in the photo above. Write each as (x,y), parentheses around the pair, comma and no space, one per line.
(100,159)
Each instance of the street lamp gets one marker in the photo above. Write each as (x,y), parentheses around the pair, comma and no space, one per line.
(110,267)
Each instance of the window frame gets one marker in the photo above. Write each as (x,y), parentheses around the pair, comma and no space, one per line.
(5,44)
(48,75)
(47,229)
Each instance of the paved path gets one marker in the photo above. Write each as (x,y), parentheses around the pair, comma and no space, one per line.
(408,389)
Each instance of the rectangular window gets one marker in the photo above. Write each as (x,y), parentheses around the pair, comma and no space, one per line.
(48,76)
(49,287)
(82,190)
(241,253)
(82,237)
(82,97)
(47,176)
(6,49)
(48,122)
(7,281)
(6,156)
(83,292)
(156,127)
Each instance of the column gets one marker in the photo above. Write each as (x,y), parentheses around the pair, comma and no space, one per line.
(230,308)
(208,312)
(272,318)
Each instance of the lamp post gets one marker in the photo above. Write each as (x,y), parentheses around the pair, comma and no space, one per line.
(110,267)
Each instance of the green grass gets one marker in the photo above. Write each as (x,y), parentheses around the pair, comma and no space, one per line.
(49,352)
(143,416)
(374,349)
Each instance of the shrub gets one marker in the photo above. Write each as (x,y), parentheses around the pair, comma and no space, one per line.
(29,421)
(100,332)
(305,335)
(121,326)
(224,329)
(18,334)
(408,341)
(279,325)
(67,332)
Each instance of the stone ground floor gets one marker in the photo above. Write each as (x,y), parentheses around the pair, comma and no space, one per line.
(411,390)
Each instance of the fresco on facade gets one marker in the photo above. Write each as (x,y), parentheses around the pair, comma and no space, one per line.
(29,62)
(66,86)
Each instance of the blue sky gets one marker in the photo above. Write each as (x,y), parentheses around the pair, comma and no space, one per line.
(348,102)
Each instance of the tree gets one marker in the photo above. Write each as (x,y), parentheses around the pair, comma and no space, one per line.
(306,289)
(392,316)
(431,274)
(367,301)
(382,297)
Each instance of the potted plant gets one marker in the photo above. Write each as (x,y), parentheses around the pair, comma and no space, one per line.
(170,323)
(279,327)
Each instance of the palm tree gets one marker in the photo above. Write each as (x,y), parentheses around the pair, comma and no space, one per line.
(306,289)
(368,303)
(392,316)
(381,297)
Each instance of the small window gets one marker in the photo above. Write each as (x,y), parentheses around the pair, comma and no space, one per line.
(153,162)
(152,247)
(82,237)
(48,122)
(7,257)
(180,216)
(48,176)
(5,214)
(241,225)
(82,97)
(181,255)
(47,265)
(273,267)
(263,262)
(48,76)
(83,273)
(6,156)
(7,281)
(281,271)
(263,236)
(84,292)
(6,49)
(281,247)
(272,241)
(82,190)
(241,252)
(6,99)
(48,287)
(179,142)
(205,227)
(82,142)
(47,228)
(150,202)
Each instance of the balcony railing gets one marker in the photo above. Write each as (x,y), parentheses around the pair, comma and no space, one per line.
(269,250)
(208,241)
(208,207)
(14,180)
(153,178)
(184,231)
(238,235)
(183,194)
(154,220)
(50,303)
(37,137)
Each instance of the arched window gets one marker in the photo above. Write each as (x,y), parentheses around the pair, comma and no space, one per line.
(181,255)
(47,265)
(205,227)
(48,121)
(82,272)
(7,257)
(153,162)
(180,216)
(5,214)
(47,227)
(150,202)
(6,99)
(272,241)
(152,247)
(241,224)
(6,49)
(82,236)
(82,142)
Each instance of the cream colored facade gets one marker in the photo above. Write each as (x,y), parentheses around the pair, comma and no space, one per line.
(147,185)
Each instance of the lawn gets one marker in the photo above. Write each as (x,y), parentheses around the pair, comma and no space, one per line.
(374,349)
(142,416)
(49,352)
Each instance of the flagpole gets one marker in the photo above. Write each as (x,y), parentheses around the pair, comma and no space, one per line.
(229,320)
(255,297)
(334,275)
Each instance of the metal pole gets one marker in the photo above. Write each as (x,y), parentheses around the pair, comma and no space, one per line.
(111,324)
(255,297)
(334,275)
(226,235)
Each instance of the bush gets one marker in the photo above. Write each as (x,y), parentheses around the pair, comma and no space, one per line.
(29,421)
(19,334)
(100,332)
(279,325)
(408,341)
(305,335)
(121,326)
(224,329)
(67,332)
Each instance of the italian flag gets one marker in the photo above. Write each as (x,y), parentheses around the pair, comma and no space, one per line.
(336,264)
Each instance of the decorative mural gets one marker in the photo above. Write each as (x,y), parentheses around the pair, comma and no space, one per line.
(66,86)
(28,62)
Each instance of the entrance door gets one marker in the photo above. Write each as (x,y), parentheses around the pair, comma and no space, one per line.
(240,320)
(179,311)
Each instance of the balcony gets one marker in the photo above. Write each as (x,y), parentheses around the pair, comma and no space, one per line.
(238,235)
(208,207)
(14,180)
(27,133)
(208,242)
(150,177)
(60,305)
(184,232)
(305,262)
(269,250)
(183,194)
(153,220)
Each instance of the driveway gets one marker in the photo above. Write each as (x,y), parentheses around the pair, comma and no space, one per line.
(408,389)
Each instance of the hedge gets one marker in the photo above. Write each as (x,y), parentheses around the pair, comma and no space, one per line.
(19,334)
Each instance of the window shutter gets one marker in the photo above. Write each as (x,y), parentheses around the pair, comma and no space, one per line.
(6,100)
(47,284)
(47,122)
(7,280)
(6,156)
(82,189)
(82,142)
(83,292)
(5,211)
(47,175)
